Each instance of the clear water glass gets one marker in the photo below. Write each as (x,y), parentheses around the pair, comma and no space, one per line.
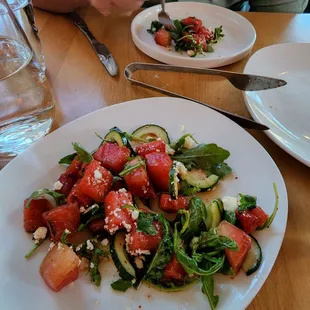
(26,101)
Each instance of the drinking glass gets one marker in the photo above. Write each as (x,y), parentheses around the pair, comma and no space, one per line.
(26,101)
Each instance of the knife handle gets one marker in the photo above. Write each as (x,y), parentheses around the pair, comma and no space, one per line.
(79,22)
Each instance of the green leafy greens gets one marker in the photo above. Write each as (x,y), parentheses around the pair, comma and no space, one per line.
(82,154)
(121,285)
(59,198)
(145,223)
(246,202)
(67,160)
(208,289)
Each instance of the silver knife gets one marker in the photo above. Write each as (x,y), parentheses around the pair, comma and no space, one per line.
(242,81)
(102,51)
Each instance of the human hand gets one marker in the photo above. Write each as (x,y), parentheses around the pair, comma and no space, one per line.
(107,7)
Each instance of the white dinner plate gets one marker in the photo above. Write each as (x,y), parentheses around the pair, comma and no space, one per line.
(285,110)
(237,43)
(21,286)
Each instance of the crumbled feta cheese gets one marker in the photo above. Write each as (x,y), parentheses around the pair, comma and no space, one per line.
(105,242)
(67,231)
(58,186)
(90,246)
(78,248)
(84,264)
(40,233)
(182,127)
(92,265)
(36,241)
(133,281)
(91,207)
(52,244)
(139,263)
(143,252)
(230,203)
(97,174)
(135,214)
(122,190)
(169,150)
(190,53)
(181,168)
(59,246)
(82,209)
(189,143)
(127,226)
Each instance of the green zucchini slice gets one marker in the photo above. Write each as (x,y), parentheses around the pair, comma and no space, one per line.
(253,259)
(200,179)
(152,131)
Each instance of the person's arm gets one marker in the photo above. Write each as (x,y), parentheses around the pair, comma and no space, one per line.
(60,6)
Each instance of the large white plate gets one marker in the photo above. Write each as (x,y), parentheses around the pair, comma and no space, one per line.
(285,110)
(21,286)
(239,33)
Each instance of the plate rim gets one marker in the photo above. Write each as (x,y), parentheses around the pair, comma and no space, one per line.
(219,62)
(270,266)
(251,111)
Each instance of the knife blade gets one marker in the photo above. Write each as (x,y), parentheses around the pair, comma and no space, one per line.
(101,50)
(242,81)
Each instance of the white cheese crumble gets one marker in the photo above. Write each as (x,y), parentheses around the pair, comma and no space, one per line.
(90,208)
(91,265)
(181,168)
(40,233)
(52,244)
(78,248)
(67,231)
(139,263)
(59,246)
(82,210)
(189,143)
(133,281)
(169,150)
(127,226)
(122,190)
(182,127)
(58,186)
(230,203)
(90,246)
(135,214)
(105,242)
(97,174)
(190,53)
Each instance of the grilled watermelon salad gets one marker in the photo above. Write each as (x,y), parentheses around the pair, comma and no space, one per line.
(134,200)
(189,35)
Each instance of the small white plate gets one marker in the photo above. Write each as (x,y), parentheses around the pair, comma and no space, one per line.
(239,33)
(285,110)
(21,286)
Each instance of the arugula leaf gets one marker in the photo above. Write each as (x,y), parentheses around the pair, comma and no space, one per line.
(275,210)
(211,239)
(59,198)
(218,34)
(230,217)
(246,202)
(67,160)
(89,215)
(83,155)
(34,248)
(189,264)
(210,49)
(188,190)
(178,145)
(64,236)
(145,224)
(162,257)
(155,26)
(208,289)
(121,285)
(220,169)
(131,168)
(203,156)
(198,214)
(94,272)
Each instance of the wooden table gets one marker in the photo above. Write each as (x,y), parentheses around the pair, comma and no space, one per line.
(82,85)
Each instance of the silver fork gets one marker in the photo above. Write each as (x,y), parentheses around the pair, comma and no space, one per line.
(165,18)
